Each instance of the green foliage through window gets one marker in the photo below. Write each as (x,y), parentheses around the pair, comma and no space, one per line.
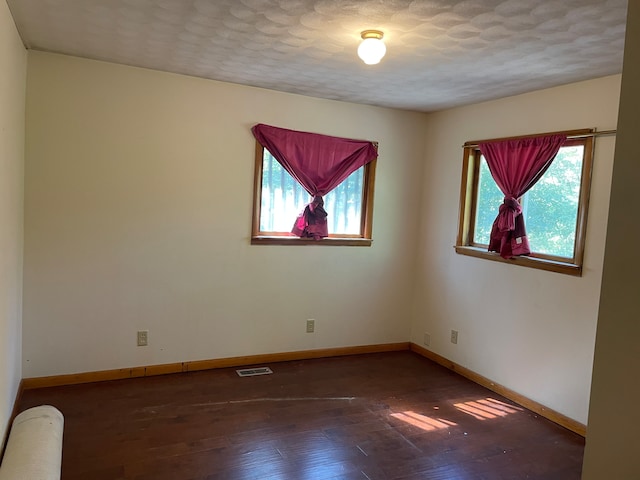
(550,207)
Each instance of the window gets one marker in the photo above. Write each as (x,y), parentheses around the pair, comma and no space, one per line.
(279,198)
(554,209)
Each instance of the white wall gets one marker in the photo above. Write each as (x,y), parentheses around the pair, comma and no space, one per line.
(529,330)
(612,441)
(138,216)
(13,69)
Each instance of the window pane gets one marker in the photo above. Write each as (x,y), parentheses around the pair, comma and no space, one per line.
(283,199)
(489,200)
(550,208)
(554,209)
(344,205)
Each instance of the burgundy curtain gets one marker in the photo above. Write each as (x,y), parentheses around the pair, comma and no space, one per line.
(319,163)
(516,165)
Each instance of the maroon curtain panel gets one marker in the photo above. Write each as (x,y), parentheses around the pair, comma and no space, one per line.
(516,165)
(319,163)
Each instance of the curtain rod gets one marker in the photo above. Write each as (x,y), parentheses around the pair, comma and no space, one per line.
(582,135)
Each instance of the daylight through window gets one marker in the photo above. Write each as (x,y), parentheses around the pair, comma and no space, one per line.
(554,209)
(283,199)
(280,199)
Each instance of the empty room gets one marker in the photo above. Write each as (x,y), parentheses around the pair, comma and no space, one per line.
(234,245)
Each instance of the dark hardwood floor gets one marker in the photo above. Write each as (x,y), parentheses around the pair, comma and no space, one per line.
(379,416)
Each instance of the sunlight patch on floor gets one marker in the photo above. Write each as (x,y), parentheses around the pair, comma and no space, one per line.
(487,408)
(421,421)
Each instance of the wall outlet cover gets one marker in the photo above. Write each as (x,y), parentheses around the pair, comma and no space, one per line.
(143,338)
(311,325)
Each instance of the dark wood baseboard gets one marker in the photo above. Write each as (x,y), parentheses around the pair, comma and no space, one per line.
(192,366)
(196,365)
(532,405)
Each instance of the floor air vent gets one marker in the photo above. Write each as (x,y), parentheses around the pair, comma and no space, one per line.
(252,372)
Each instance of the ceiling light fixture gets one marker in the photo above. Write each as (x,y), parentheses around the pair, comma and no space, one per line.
(372,48)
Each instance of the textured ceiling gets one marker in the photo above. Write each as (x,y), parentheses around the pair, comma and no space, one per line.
(440,53)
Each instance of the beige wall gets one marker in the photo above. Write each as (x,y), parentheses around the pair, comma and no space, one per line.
(530,330)
(614,417)
(138,214)
(13,68)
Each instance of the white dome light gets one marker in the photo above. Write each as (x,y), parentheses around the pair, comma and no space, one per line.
(372,48)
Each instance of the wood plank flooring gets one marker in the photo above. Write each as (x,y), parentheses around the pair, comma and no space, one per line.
(367,417)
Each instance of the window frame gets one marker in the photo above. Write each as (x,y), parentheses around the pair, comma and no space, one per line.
(364,239)
(468,205)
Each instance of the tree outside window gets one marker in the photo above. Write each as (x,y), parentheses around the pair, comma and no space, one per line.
(554,209)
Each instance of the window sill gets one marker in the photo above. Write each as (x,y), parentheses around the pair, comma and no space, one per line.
(530,262)
(292,240)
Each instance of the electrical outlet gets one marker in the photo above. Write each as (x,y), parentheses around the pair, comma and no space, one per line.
(427,339)
(143,338)
(454,336)
(311,325)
